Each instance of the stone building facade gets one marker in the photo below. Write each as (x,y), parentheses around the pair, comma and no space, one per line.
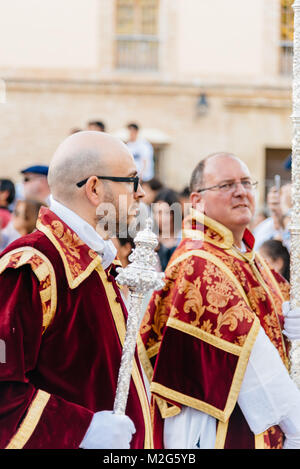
(198,76)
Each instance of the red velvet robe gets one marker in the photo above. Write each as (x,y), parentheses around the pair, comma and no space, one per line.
(199,330)
(62,320)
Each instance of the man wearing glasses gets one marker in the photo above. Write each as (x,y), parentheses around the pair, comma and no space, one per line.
(62,316)
(215,331)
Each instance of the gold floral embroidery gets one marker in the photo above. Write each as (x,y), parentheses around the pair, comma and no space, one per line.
(36,261)
(255,296)
(193,299)
(285,290)
(213,235)
(232,317)
(240,340)
(151,342)
(70,244)
(14,259)
(189,267)
(207,326)
(92,254)
(162,313)
(69,239)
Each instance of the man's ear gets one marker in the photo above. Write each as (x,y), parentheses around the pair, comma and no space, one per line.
(197,201)
(94,190)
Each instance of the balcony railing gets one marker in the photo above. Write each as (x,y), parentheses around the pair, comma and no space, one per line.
(137,52)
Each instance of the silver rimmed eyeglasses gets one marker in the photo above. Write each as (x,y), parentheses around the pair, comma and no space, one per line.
(231,186)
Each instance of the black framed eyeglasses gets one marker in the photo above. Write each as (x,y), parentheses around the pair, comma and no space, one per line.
(134,179)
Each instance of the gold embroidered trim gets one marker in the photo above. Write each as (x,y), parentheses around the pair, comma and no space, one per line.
(242,256)
(205,336)
(117,313)
(41,272)
(221,435)
(152,351)
(144,358)
(223,415)
(215,260)
(220,229)
(73,282)
(193,234)
(259,441)
(30,421)
(167,410)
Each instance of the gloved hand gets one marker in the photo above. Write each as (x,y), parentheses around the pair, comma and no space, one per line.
(291,321)
(108,431)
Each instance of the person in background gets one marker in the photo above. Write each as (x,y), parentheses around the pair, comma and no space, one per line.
(261,215)
(184,197)
(276,226)
(74,130)
(124,247)
(277,255)
(7,196)
(151,189)
(98,126)
(25,216)
(167,216)
(23,221)
(35,183)
(142,152)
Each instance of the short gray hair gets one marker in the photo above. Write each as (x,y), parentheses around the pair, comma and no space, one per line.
(197,177)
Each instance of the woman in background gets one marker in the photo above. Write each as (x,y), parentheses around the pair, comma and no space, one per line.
(277,256)
(23,221)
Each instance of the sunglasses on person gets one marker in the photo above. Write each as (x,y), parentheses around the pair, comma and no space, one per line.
(134,179)
(32,177)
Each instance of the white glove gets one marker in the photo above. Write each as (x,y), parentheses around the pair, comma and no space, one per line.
(108,431)
(291,321)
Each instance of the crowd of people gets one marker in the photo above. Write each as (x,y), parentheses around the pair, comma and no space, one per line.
(213,344)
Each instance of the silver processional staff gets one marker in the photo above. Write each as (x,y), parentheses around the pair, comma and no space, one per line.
(140,276)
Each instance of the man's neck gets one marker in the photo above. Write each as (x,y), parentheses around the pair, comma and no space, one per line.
(238,238)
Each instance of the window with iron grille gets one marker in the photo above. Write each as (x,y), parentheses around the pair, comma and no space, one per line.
(137,38)
(286,37)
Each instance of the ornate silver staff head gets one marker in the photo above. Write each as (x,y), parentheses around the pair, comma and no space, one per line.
(140,275)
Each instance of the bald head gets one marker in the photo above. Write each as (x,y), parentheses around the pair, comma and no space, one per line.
(208,166)
(80,156)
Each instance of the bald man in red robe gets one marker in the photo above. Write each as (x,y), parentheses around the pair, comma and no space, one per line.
(62,316)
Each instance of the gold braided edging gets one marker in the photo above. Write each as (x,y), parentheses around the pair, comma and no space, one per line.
(43,270)
(221,434)
(205,336)
(30,421)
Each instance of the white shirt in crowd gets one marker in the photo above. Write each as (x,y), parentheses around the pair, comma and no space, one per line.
(142,152)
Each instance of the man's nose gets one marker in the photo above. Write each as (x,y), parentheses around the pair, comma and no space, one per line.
(239,188)
(139,193)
